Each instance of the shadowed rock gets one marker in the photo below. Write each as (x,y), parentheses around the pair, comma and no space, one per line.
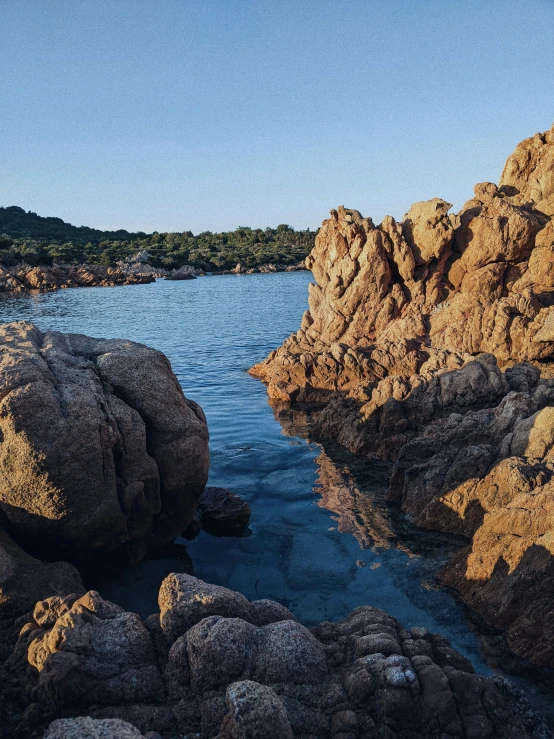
(222,513)
(88,728)
(25,580)
(228,678)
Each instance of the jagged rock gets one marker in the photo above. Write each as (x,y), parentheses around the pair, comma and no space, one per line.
(409,325)
(395,297)
(227,678)
(529,171)
(137,479)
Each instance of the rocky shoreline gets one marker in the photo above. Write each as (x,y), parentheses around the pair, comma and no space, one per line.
(24,277)
(48,278)
(428,344)
(214,664)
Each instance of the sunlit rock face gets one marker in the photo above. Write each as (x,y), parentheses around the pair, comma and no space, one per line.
(425,293)
(100,451)
(18,279)
(530,171)
(213,664)
(429,341)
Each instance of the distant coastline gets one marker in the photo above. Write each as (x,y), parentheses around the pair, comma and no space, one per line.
(29,239)
(47,278)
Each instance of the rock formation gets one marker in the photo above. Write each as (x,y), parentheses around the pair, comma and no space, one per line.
(85,727)
(100,450)
(409,328)
(18,279)
(530,171)
(213,664)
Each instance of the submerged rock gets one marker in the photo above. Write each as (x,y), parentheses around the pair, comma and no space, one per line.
(223,671)
(100,450)
(409,327)
(222,512)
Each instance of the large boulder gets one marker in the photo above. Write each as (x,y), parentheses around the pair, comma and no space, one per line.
(185,601)
(100,450)
(89,651)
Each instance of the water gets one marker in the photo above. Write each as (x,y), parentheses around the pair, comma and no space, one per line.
(321,542)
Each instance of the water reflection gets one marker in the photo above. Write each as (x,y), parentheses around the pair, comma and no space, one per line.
(361,513)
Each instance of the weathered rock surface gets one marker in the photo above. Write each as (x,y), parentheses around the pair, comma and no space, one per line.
(530,171)
(100,451)
(409,325)
(402,298)
(214,665)
(17,279)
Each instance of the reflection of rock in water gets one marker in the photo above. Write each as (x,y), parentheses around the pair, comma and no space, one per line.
(356,499)
(355,511)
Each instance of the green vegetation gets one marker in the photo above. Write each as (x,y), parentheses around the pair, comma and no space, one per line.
(27,237)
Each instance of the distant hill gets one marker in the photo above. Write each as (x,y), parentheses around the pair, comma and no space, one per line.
(26,237)
(22,224)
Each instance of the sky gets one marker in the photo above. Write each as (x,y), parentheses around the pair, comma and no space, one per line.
(175,115)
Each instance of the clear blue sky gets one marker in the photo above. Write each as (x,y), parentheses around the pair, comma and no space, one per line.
(211,114)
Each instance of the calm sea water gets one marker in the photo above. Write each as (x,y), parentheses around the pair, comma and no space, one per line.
(320,542)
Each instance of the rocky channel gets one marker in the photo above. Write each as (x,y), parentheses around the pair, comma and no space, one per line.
(428,343)
(210,663)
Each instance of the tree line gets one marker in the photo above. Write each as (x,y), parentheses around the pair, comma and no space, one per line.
(26,237)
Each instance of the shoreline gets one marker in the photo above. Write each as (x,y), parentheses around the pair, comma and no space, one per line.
(44,278)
